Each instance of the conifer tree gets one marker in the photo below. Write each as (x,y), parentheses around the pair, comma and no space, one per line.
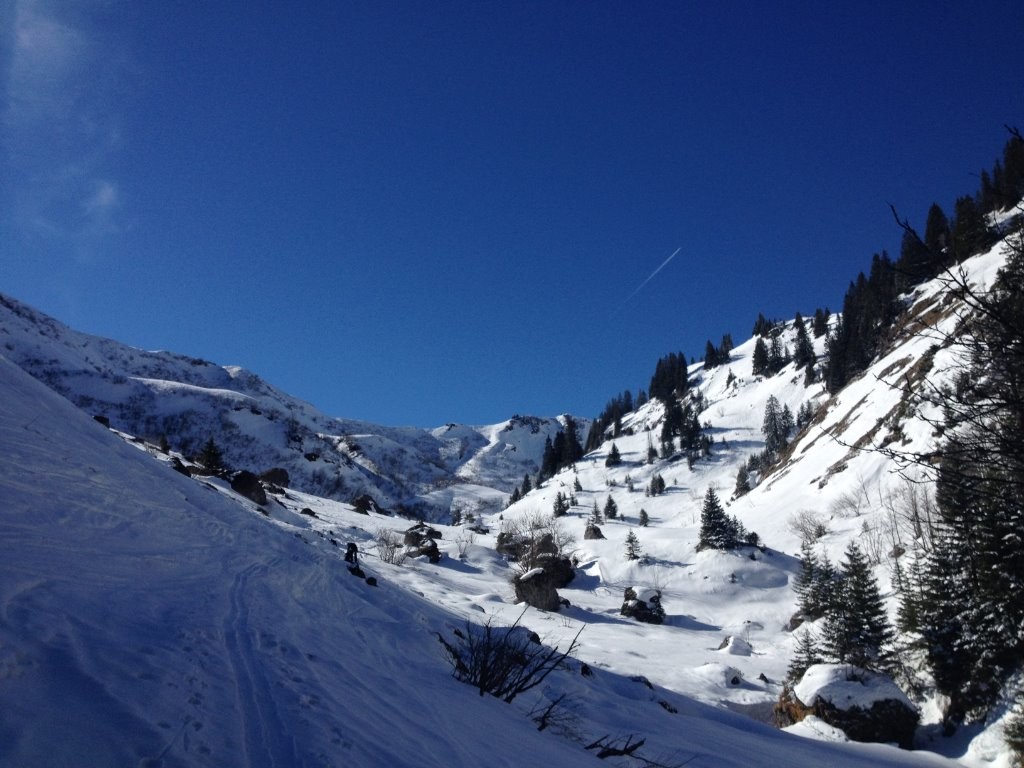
(614,458)
(716,530)
(611,509)
(803,351)
(644,518)
(805,656)
(211,456)
(742,481)
(633,548)
(759,360)
(857,629)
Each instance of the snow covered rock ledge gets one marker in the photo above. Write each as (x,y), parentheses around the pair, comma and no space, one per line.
(867,706)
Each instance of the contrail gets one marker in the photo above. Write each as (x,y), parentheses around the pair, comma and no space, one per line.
(650,277)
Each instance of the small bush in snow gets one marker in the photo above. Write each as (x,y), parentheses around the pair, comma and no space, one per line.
(503,661)
(389,546)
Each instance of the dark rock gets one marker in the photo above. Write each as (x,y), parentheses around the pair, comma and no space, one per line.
(276,476)
(371,581)
(536,587)
(246,484)
(419,534)
(592,532)
(366,504)
(307,512)
(102,420)
(177,466)
(644,606)
(427,548)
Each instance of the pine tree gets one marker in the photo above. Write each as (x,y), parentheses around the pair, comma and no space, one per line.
(857,629)
(526,487)
(803,352)
(775,427)
(614,458)
(561,505)
(516,496)
(595,515)
(652,453)
(211,456)
(644,518)
(611,509)
(576,485)
(715,528)
(633,548)
(805,656)
(759,360)
(742,481)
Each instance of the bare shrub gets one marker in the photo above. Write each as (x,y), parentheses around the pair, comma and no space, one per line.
(502,661)
(390,548)
(464,541)
(808,525)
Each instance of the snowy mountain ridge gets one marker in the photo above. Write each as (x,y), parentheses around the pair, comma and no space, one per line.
(186,401)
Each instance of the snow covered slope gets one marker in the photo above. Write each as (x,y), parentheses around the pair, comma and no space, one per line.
(186,401)
(147,618)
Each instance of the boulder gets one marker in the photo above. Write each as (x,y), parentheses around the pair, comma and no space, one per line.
(643,604)
(365,504)
(420,534)
(592,532)
(276,476)
(246,484)
(536,587)
(866,706)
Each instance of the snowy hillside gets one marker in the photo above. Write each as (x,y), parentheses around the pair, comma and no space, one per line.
(186,401)
(217,632)
(153,619)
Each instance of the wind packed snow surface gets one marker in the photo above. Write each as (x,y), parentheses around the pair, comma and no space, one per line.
(147,618)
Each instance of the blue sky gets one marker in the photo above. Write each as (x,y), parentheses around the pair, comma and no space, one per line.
(415,213)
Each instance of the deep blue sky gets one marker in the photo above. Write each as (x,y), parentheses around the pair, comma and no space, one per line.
(416,213)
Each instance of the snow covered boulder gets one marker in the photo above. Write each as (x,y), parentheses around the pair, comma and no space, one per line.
(643,604)
(592,532)
(420,534)
(867,706)
(538,587)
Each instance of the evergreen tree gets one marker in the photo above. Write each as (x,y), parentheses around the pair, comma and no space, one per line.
(652,453)
(805,656)
(576,485)
(857,627)
(644,518)
(633,548)
(595,515)
(775,427)
(526,487)
(716,530)
(742,481)
(970,233)
(561,505)
(710,356)
(211,457)
(803,352)
(611,509)
(759,360)
(516,496)
(670,378)
(656,486)
(820,325)
(614,458)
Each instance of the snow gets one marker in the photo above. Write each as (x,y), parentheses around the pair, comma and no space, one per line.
(847,687)
(147,616)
